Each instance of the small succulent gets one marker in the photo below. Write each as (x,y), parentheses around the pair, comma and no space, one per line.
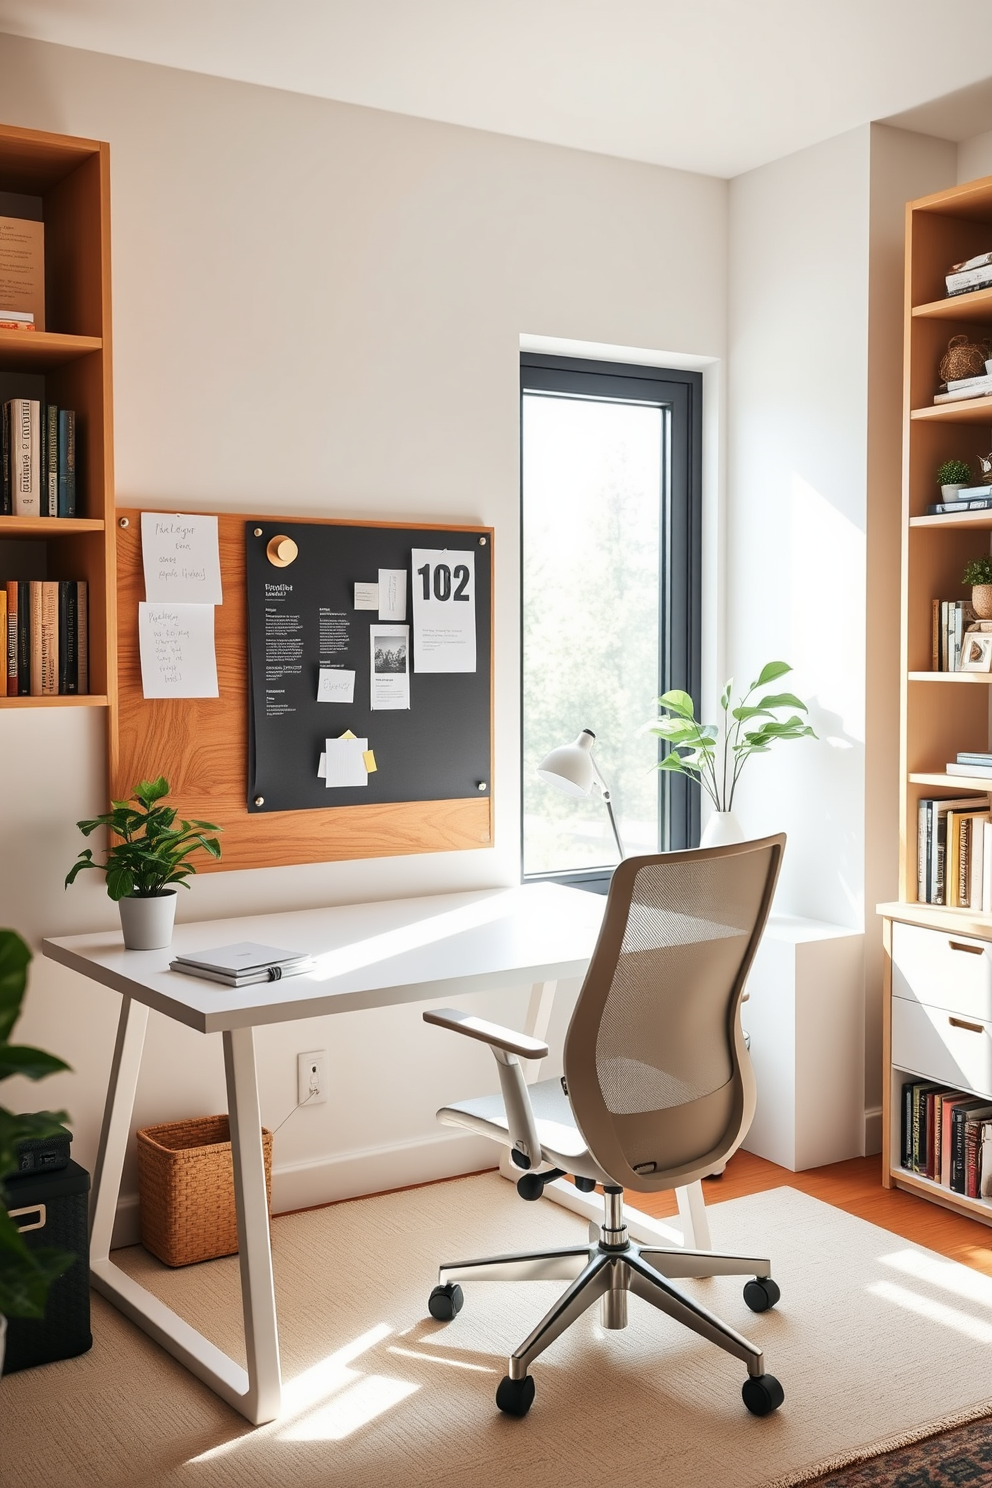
(979,571)
(954,473)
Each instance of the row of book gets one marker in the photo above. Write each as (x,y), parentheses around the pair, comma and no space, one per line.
(954,853)
(952,619)
(37,459)
(47,629)
(960,389)
(947,1137)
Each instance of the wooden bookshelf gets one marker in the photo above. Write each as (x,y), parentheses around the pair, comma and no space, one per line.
(66,182)
(939,959)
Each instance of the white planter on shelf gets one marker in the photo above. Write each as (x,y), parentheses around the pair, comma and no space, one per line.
(147,921)
(950,493)
(721,828)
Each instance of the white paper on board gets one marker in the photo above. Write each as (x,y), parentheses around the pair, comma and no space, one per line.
(181,559)
(392,594)
(443,610)
(336,685)
(366,596)
(176,642)
(389,666)
(342,762)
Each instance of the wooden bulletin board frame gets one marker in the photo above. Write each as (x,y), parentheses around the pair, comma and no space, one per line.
(200,745)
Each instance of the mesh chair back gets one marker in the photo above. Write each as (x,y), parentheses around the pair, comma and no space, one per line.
(657,1071)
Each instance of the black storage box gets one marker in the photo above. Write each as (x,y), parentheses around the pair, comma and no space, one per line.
(44,1154)
(50,1209)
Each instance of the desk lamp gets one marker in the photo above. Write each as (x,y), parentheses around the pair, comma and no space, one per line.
(572,769)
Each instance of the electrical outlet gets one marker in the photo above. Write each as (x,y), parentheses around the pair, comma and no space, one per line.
(312,1077)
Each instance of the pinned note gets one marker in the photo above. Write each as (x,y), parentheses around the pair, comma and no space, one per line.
(336,685)
(443,609)
(176,643)
(389,662)
(366,596)
(392,593)
(181,559)
(343,762)
(370,763)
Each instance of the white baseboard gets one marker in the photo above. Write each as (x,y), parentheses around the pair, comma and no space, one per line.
(348,1175)
(873,1131)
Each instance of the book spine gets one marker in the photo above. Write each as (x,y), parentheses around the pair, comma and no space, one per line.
(82,638)
(906,1131)
(914,1148)
(52,458)
(951,840)
(23,638)
(50,638)
(967,279)
(964,860)
(985,1162)
(3,641)
(24,418)
(944,604)
(67,463)
(36,594)
(921,852)
(972,1142)
(977,865)
(940,857)
(11,637)
(6,487)
(929,1109)
(935,637)
(958,1117)
(68,638)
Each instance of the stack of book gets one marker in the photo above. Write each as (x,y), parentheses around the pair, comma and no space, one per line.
(964,387)
(947,1137)
(951,619)
(17,320)
(37,459)
(46,627)
(954,853)
(243,964)
(969,498)
(973,273)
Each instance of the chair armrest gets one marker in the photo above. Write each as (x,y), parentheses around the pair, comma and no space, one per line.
(489,1033)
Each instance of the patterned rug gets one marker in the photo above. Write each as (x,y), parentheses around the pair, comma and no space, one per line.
(955,1459)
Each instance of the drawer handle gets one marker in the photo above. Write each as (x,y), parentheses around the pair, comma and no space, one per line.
(40,1210)
(956,945)
(963,1023)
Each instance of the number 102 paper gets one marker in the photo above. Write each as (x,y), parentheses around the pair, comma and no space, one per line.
(443,585)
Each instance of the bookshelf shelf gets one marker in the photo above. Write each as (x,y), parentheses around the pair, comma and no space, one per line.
(65,182)
(929,984)
(43,350)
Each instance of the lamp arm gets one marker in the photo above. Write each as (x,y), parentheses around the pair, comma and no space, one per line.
(604,791)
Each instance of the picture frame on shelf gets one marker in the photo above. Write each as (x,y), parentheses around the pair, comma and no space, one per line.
(976,651)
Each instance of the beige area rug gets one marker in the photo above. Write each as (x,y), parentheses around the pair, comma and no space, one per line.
(873,1340)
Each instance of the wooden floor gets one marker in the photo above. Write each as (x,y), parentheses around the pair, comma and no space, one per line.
(855,1186)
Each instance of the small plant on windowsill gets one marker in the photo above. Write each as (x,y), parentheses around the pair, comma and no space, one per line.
(148,863)
(698,751)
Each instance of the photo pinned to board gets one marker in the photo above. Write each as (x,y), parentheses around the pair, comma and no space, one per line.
(389,663)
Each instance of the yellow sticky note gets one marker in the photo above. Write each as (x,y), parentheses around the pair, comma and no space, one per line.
(347,735)
(370,763)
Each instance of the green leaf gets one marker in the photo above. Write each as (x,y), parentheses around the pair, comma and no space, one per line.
(678,702)
(743,714)
(725,695)
(150,791)
(33,1064)
(120,883)
(782,700)
(15,958)
(770,671)
(672,762)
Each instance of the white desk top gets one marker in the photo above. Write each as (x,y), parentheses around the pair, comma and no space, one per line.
(370,955)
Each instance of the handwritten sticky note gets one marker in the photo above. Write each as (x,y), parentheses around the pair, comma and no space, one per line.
(366,596)
(336,685)
(181,559)
(177,650)
(392,593)
(370,763)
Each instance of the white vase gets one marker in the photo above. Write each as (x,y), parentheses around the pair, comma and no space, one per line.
(147,921)
(950,493)
(721,828)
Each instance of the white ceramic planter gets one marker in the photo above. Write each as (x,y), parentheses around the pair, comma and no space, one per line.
(721,828)
(950,493)
(147,922)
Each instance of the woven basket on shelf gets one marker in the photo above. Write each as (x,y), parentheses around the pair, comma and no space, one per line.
(186,1189)
(963,358)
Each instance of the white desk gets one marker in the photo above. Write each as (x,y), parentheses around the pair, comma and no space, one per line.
(369,955)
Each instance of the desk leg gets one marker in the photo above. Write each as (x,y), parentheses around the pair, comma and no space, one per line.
(254,1246)
(116,1126)
(542,1000)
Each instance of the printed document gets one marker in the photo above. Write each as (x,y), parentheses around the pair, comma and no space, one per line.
(389,664)
(443,610)
(392,594)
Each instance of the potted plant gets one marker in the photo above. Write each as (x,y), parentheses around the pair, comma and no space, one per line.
(25,1275)
(749,728)
(979,575)
(147,864)
(951,476)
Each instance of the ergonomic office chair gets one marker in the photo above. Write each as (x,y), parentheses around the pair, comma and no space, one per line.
(658,1092)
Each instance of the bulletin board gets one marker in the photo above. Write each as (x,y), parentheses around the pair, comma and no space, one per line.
(435,759)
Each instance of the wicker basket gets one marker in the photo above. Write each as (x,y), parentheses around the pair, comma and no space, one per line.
(186,1189)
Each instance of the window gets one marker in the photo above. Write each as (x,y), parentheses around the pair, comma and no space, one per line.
(610,459)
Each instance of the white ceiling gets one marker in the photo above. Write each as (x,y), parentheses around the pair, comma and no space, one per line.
(717,86)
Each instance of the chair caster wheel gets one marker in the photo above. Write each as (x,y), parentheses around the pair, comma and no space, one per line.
(515,1397)
(761,1293)
(446,1302)
(762,1394)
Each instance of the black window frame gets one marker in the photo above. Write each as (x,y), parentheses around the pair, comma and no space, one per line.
(680,560)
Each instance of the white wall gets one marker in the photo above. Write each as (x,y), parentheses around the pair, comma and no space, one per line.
(355,282)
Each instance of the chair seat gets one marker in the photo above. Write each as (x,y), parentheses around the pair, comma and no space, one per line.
(562,1144)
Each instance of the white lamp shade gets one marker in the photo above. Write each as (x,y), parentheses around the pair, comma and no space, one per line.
(570,768)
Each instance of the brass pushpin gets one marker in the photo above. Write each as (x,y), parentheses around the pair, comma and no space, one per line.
(281,551)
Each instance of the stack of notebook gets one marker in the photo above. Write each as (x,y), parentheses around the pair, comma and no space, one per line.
(241,964)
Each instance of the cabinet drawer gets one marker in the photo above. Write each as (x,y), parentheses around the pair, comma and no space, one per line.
(926,1040)
(943,971)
